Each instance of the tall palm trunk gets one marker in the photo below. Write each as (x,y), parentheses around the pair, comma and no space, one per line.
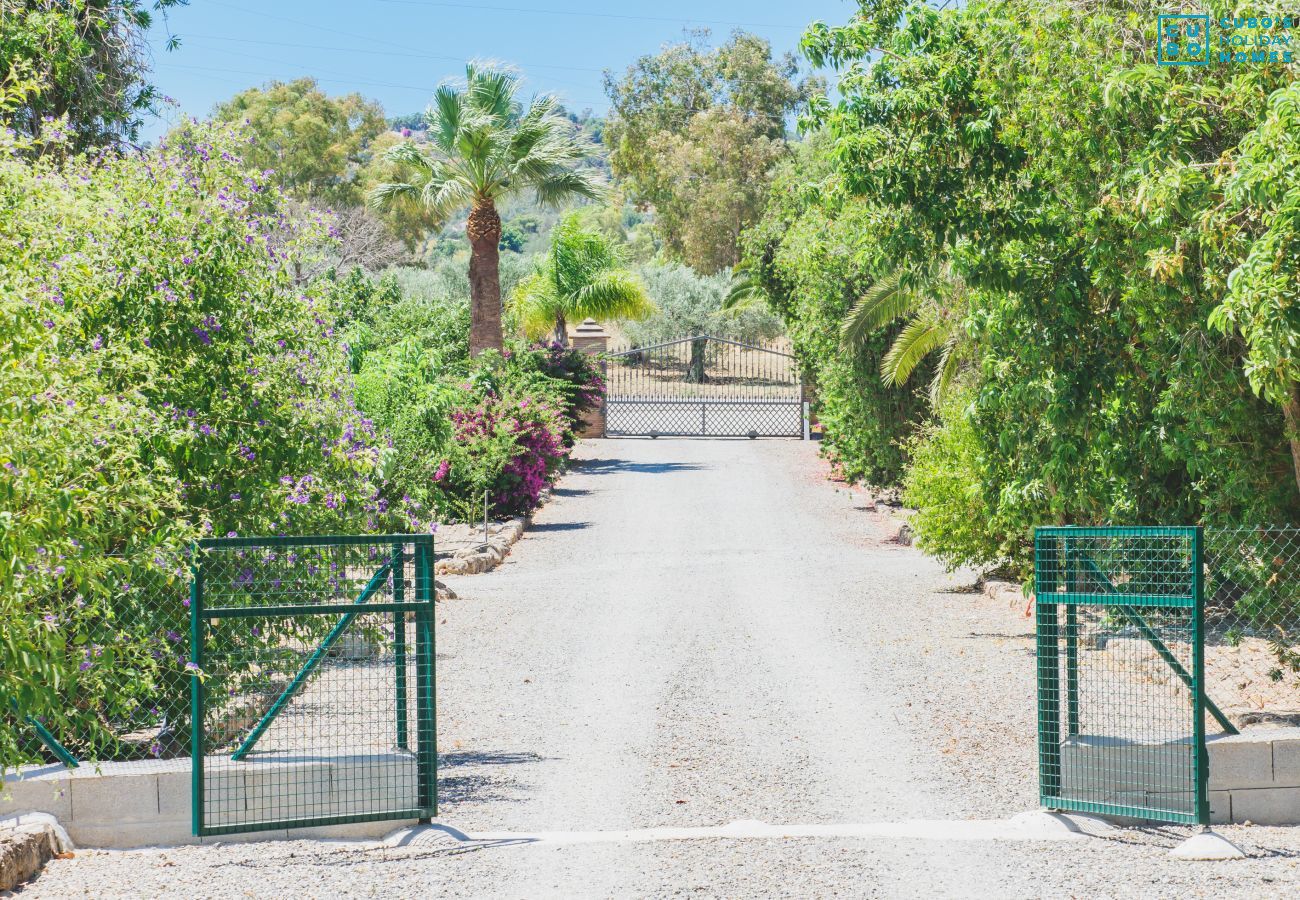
(561,334)
(484,230)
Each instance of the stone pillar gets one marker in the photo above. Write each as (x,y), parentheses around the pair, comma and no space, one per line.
(590,338)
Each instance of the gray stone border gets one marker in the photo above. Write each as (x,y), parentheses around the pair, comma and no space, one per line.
(27,843)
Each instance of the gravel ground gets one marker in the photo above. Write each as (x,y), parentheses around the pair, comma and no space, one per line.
(696,632)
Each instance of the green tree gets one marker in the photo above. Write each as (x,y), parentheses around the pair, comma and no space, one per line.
(579,277)
(690,304)
(86,60)
(694,133)
(313,142)
(485,146)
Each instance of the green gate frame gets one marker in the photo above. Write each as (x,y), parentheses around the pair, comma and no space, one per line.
(422,609)
(1049,603)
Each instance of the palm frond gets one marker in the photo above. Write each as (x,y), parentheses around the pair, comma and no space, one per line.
(745,291)
(408,154)
(444,116)
(536,304)
(886,300)
(445,196)
(392,195)
(614,294)
(491,89)
(561,187)
(946,370)
(924,333)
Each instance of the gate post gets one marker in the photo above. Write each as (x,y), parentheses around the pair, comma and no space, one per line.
(1201,761)
(593,340)
(1047,651)
(425,685)
(196,690)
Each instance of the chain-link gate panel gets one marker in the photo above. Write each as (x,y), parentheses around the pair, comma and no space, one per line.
(313,687)
(1121,700)
(703,387)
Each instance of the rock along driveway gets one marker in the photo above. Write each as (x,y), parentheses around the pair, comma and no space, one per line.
(697,632)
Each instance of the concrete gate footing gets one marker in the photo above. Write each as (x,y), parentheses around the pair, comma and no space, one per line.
(1207,845)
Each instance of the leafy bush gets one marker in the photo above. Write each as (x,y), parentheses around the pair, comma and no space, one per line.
(457,428)
(515,418)
(506,446)
(163,377)
(1126,248)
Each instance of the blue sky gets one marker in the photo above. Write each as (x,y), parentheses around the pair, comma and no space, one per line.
(397,51)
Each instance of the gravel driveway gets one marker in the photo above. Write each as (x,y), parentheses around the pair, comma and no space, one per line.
(696,632)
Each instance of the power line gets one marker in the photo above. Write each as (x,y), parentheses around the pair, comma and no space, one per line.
(273,77)
(312,67)
(582,14)
(409,55)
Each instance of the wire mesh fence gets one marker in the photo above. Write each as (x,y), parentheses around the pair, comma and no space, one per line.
(1252,618)
(314,687)
(117,627)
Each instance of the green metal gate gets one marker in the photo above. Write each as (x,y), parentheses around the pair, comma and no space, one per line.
(1121,699)
(312,682)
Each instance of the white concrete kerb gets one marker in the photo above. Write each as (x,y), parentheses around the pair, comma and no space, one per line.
(922,829)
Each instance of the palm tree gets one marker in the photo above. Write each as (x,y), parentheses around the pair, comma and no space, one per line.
(579,278)
(484,147)
(745,292)
(930,301)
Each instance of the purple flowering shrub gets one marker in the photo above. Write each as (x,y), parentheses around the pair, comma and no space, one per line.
(510,446)
(164,376)
(514,415)
(576,379)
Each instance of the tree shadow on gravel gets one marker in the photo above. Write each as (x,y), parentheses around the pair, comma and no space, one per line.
(608,466)
(557,526)
(482,785)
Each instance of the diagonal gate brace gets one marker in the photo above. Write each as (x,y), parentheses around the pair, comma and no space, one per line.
(1131,614)
(310,665)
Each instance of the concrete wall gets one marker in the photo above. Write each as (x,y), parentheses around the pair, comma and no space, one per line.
(1255,776)
(148,803)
